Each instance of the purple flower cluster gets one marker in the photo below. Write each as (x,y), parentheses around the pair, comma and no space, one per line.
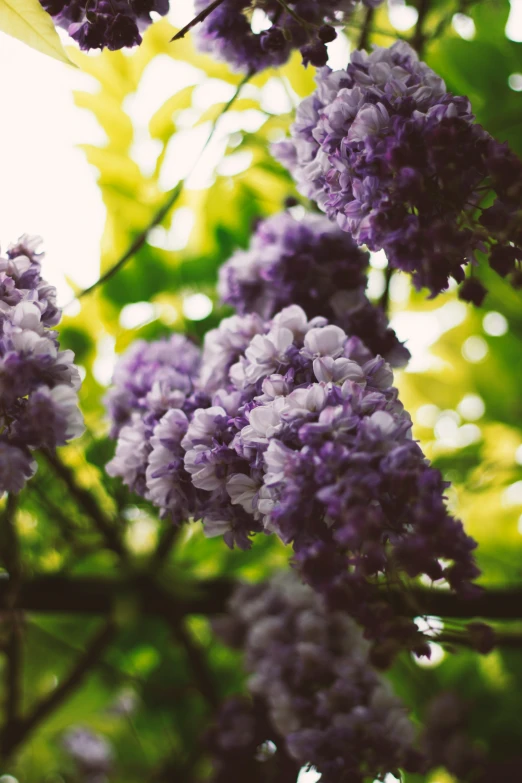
(91,753)
(227,32)
(148,406)
(309,666)
(446,741)
(305,439)
(244,745)
(38,382)
(312,263)
(113,24)
(399,162)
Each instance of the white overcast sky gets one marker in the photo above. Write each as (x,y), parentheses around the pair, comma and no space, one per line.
(46,185)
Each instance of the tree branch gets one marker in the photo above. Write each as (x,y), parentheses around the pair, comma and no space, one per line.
(364,37)
(419,37)
(164,546)
(13,672)
(13,649)
(164,210)
(197,19)
(384,301)
(11,549)
(88,503)
(138,243)
(511,639)
(196,662)
(98,595)
(16,732)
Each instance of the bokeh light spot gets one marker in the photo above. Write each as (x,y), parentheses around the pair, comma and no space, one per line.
(197,307)
(475,349)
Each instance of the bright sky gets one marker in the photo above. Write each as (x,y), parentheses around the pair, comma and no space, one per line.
(48,188)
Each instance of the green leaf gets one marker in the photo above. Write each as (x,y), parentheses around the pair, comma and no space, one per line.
(27,21)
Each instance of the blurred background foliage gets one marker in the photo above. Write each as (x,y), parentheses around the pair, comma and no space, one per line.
(159,105)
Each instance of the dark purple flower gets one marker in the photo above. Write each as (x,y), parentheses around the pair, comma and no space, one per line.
(401,165)
(446,741)
(244,744)
(472,290)
(305,439)
(308,666)
(38,382)
(112,24)
(309,262)
(16,466)
(227,34)
(150,404)
(152,377)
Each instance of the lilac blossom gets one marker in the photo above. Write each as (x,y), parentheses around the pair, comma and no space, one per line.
(223,346)
(312,263)
(132,452)
(400,164)
(319,451)
(111,24)
(244,744)
(152,378)
(446,741)
(306,440)
(152,398)
(38,381)
(226,33)
(309,668)
(91,752)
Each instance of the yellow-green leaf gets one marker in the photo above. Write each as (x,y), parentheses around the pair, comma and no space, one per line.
(27,21)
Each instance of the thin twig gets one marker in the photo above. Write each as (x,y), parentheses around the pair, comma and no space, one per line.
(164,547)
(419,37)
(196,662)
(11,548)
(299,19)
(13,672)
(67,527)
(446,20)
(364,37)
(138,242)
(174,616)
(384,301)
(88,503)
(197,19)
(19,731)
(66,646)
(378,31)
(511,639)
(164,210)
(13,650)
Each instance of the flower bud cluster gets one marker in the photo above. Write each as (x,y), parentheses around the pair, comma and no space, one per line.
(309,262)
(326,706)
(152,396)
(401,165)
(305,439)
(38,381)
(111,24)
(307,25)
(91,752)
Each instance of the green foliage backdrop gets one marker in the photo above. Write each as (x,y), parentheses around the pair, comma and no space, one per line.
(140,693)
